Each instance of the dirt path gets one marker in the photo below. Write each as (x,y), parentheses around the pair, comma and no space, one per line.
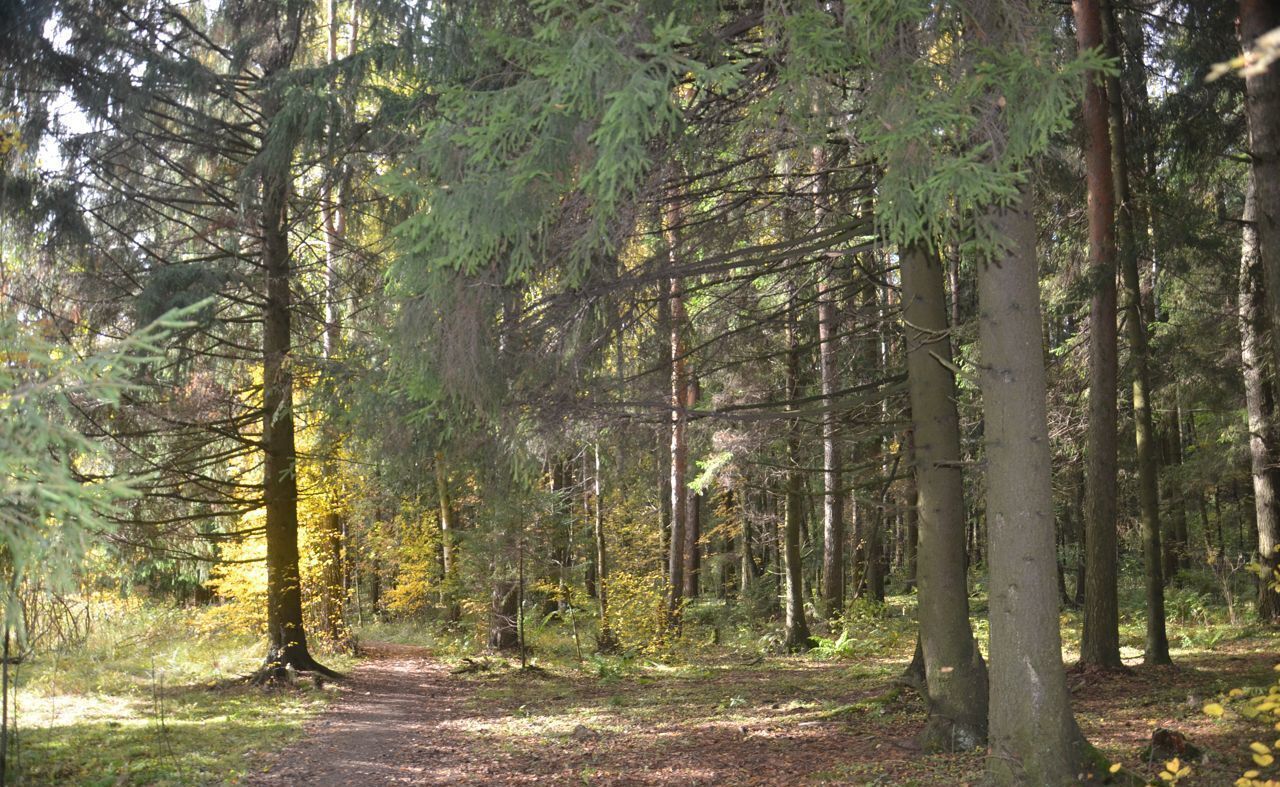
(403,718)
(384,729)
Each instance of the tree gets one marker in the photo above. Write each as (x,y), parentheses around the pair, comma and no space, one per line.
(1034,737)
(1260,409)
(796,636)
(679,426)
(832,477)
(1100,641)
(1157,642)
(1262,110)
(1033,734)
(955,675)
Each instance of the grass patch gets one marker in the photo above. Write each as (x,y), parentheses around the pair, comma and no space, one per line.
(147,699)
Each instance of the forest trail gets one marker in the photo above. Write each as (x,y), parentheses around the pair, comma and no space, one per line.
(404,718)
(388,727)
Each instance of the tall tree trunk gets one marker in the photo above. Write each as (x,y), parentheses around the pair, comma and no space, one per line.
(1157,640)
(1100,640)
(832,476)
(287,641)
(679,423)
(1262,110)
(1259,404)
(797,629)
(1033,735)
(954,671)
(828,370)
(332,589)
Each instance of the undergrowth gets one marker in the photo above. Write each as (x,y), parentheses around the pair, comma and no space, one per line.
(144,699)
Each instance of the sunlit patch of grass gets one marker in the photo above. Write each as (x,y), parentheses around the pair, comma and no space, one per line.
(147,700)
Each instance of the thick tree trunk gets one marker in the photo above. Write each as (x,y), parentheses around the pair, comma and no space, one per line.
(287,641)
(797,629)
(1033,735)
(954,671)
(1259,404)
(1262,110)
(1100,640)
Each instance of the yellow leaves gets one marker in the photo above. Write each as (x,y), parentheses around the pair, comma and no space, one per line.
(1214,709)
(1262,753)
(1236,693)
(1115,767)
(1174,770)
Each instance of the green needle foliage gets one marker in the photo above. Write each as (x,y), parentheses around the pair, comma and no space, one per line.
(58,487)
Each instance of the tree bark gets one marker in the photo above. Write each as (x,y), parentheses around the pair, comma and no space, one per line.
(1259,404)
(954,671)
(1156,650)
(287,641)
(692,545)
(1033,735)
(911,536)
(797,629)
(679,425)
(1100,640)
(1262,111)
(828,370)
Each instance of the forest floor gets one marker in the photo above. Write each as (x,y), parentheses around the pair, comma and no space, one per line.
(405,717)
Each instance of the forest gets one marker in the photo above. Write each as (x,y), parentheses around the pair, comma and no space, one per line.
(644,392)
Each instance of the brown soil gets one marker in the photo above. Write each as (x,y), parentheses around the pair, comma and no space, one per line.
(404,718)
